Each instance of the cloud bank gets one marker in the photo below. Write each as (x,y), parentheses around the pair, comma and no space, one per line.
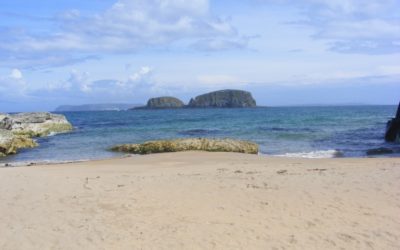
(126,27)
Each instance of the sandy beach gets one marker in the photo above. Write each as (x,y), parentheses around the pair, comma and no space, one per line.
(198,200)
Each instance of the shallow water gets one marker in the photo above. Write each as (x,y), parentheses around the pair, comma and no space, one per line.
(313,132)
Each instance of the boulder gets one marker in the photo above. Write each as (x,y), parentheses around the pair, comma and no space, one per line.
(11,143)
(5,121)
(224,99)
(177,145)
(16,130)
(165,102)
(38,124)
(380,151)
(393,128)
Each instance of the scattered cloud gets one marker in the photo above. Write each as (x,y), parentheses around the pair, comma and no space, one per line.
(12,85)
(16,74)
(142,74)
(212,44)
(351,26)
(81,85)
(126,27)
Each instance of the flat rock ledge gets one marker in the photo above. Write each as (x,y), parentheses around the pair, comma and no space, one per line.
(38,124)
(192,144)
(17,130)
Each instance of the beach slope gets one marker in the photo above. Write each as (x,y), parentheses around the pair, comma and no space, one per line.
(200,200)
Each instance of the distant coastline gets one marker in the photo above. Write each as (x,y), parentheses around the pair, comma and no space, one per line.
(96,107)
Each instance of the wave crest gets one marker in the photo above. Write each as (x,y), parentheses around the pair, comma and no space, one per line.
(318,154)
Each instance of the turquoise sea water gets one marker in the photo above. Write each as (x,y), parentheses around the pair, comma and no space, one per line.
(348,131)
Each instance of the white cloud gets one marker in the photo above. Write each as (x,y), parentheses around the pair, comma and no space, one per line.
(127,26)
(389,69)
(81,85)
(351,26)
(13,85)
(16,74)
(141,74)
(362,29)
(214,44)
(132,24)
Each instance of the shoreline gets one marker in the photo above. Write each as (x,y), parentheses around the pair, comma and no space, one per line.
(202,200)
(288,156)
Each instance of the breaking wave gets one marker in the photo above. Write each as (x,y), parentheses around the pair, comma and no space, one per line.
(319,154)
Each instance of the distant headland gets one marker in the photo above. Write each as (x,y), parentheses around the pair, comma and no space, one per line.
(228,98)
(96,107)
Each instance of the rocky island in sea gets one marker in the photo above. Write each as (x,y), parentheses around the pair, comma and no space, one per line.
(18,131)
(224,99)
(228,98)
(164,102)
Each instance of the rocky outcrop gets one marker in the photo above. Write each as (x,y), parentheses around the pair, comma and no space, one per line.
(203,144)
(39,124)
(17,130)
(393,128)
(5,121)
(224,99)
(165,102)
(11,143)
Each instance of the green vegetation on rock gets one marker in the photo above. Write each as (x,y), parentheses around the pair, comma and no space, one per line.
(224,99)
(45,130)
(11,143)
(17,130)
(165,102)
(192,144)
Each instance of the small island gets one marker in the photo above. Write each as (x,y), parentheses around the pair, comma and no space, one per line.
(164,102)
(228,98)
(224,99)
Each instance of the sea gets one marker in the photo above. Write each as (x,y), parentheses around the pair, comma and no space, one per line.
(310,132)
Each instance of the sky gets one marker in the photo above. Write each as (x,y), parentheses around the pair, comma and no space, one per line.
(286,52)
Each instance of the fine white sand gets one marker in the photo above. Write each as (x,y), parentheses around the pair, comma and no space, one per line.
(198,200)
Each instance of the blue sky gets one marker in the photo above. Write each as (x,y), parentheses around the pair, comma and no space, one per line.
(286,52)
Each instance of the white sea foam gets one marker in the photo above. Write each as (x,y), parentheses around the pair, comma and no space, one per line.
(44,162)
(52,134)
(319,154)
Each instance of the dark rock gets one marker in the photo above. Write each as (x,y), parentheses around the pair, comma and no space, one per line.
(379,151)
(393,128)
(165,102)
(224,99)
